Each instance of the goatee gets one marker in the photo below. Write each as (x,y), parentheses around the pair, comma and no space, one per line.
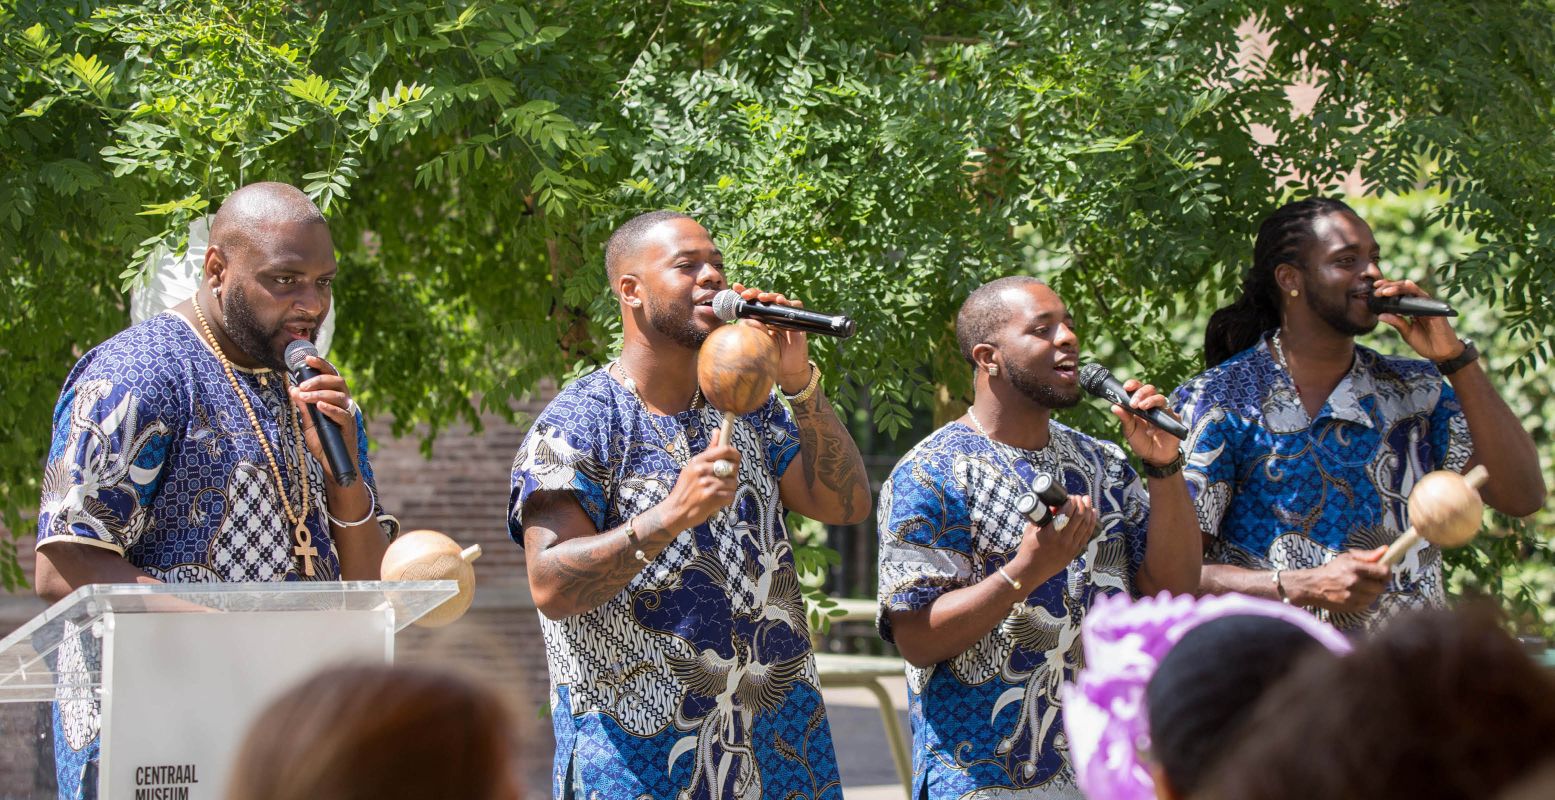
(678,325)
(1046,395)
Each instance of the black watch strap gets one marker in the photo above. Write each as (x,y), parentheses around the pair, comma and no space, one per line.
(1166,470)
(1463,359)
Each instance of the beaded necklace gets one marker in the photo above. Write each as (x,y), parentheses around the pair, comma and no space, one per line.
(304,548)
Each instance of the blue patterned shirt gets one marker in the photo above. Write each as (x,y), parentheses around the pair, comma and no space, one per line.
(697,679)
(154,458)
(1277,490)
(988,722)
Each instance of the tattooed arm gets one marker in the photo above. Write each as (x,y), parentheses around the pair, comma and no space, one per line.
(829,483)
(573,567)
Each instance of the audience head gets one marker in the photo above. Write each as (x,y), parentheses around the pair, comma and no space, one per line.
(1207,686)
(1169,681)
(1440,704)
(378,733)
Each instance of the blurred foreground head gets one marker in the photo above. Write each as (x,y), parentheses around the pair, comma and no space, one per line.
(1169,682)
(378,733)
(1208,685)
(1440,704)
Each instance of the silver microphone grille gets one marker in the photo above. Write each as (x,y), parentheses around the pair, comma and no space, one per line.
(1092,376)
(726,304)
(297,353)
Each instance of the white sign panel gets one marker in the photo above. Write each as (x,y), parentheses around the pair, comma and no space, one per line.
(180,690)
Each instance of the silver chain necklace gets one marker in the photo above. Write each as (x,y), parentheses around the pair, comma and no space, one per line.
(1008,461)
(614,367)
(1279,352)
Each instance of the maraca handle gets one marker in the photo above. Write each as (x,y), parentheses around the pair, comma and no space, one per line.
(470,553)
(726,430)
(1400,546)
(1477,476)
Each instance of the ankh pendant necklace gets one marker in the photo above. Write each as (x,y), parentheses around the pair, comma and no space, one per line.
(302,538)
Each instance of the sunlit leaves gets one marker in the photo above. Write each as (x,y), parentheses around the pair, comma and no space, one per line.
(193,202)
(315,90)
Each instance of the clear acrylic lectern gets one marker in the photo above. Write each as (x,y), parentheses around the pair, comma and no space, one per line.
(172,674)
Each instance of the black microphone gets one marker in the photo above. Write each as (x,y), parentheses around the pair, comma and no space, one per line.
(340,460)
(1038,503)
(1409,306)
(1098,381)
(728,305)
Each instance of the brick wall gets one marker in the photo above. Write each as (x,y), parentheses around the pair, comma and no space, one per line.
(462,490)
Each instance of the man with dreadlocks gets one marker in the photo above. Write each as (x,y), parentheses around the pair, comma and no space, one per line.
(1303,445)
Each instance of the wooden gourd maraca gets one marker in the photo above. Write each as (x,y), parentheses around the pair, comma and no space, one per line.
(431,556)
(1444,509)
(736,369)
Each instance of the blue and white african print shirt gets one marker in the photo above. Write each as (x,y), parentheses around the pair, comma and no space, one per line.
(1277,490)
(988,723)
(697,679)
(154,458)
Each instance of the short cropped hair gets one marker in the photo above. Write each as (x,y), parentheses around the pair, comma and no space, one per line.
(627,238)
(983,311)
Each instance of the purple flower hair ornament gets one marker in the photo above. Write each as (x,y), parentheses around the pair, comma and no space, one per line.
(1105,718)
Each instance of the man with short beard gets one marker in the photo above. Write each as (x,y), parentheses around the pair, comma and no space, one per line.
(1304,446)
(675,631)
(181,453)
(983,603)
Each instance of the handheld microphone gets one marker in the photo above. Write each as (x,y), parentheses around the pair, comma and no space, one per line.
(1098,381)
(1037,504)
(340,461)
(728,305)
(1409,306)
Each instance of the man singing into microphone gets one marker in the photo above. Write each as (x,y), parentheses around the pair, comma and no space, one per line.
(181,454)
(985,605)
(1304,445)
(674,627)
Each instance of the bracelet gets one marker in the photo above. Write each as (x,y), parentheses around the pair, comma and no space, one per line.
(631,536)
(809,389)
(1014,584)
(1166,470)
(372,511)
(1279,588)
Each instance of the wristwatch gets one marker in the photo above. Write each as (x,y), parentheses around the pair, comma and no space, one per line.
(1463,359)
(1166,470)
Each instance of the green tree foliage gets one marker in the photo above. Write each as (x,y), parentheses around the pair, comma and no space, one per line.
(881,157)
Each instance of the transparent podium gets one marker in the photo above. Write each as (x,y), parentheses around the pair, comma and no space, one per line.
(171,675)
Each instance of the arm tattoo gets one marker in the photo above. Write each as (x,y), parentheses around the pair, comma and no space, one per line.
(589,570)
(828,454)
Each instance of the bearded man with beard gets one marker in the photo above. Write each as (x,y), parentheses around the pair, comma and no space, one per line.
(675,631)
(181,452)
(984,604)
(1304,446)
